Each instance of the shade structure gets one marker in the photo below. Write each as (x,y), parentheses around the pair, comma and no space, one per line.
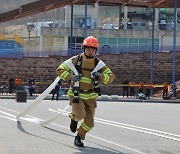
(45,5)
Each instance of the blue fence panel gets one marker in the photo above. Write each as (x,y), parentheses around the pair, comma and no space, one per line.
(74,52)
(6,44)
(10,49)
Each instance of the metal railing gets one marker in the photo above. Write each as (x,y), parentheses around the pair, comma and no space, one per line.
(91,23)
(103,49)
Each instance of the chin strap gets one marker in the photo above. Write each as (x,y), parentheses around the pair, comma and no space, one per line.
(88,57)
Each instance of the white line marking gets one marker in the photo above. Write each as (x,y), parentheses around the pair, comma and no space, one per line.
(13,119)
(8,109)
(8,114)
(115,124)
(151,133)
(116,144)
(16,112)
(143,128)
(54,117)
(34,120)
(135,128)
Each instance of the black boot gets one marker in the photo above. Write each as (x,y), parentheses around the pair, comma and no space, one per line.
(78,142)
(73,125)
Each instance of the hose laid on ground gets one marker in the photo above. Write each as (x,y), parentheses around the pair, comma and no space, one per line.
(38,99)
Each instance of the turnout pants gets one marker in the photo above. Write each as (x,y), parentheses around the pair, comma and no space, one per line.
(84,110)
(165,93)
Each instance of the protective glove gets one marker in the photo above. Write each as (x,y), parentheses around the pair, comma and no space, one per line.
(96,75)
(75,78)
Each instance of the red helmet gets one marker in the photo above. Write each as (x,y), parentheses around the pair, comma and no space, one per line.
(90,41)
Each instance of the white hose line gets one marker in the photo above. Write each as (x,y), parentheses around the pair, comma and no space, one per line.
(98,67)
(38,99)
(71,66)
(45,122)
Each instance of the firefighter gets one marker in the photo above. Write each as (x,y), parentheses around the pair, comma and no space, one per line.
(125,88)
(18,83)
(140,86)
(84,104)
(131,85)
(148,89)
(165,90)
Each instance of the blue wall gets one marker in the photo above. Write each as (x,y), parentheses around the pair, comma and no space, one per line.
(10,49)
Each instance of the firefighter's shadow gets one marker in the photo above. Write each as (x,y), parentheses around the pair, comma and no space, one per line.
(86,149)
(19,126)
(90,150)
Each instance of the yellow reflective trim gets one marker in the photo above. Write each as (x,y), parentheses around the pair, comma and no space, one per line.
(88,96)
(92,95)
(86,80)
(64,75)
(65,67)
(107,71)
(85,127)
(72,117)
(70,92)
(106,78)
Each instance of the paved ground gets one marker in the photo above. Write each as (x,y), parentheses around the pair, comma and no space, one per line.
(120,127)
(101,98)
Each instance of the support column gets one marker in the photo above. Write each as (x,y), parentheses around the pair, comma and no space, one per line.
(67,16)
(85,17)
(96,12)
(174,51)
(65,47)
(156,24)
(125,17)
(152,51)
(71,36)
(120,17)
(41,42)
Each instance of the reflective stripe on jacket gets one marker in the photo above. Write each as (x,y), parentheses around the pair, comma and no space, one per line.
(86,83)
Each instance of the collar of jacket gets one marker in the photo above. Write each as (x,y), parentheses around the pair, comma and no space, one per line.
(87,60)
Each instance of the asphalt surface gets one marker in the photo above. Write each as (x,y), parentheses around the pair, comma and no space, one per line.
(120,127)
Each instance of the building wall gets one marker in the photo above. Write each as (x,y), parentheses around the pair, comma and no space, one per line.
(164,37)
(79,12)
(125,65)
(48,42)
